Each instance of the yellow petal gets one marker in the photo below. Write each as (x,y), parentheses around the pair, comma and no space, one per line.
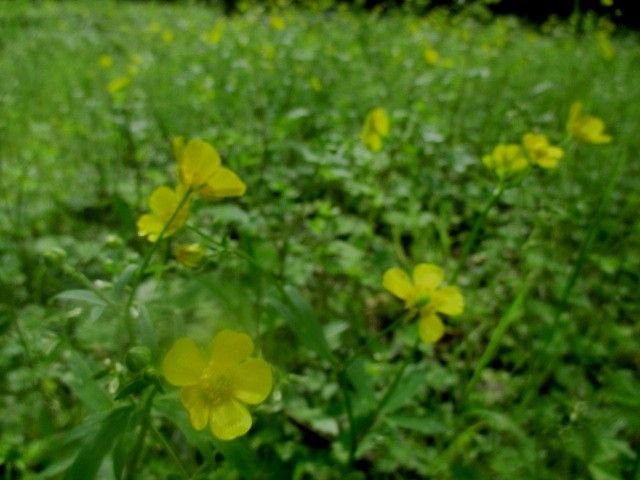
(183,364)
(198,163)
(430,328)
(229,420)
(252,381)
(177,145)
(448,300)
(163,201)
(230,348)
(223,183)
(150,225)
(195,403)
(396,281)
(427,276)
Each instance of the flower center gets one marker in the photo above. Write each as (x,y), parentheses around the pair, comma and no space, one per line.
(218,389)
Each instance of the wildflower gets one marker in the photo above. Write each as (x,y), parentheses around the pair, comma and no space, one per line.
(200,167)
(588,128)
(431,56)
(214,35)
(167,36)
(315,83)
(163,202)
(154,27)
(189,255)
(540,151)
(277,22)
(214,390)
(506,159)
(604,42)
(105,61)
(118,84)
(425,295)
(376,127)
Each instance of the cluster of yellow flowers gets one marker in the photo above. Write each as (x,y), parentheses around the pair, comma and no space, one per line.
(425,296)
(509,159)
(200,172)
(376,128)
(586,128)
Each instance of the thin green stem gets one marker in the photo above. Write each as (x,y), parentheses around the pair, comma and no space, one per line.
(170,450)
(145,264)
(471,239)
(343,382)
(134,458)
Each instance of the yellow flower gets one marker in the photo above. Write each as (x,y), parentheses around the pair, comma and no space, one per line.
(540,151)
(214,390)
(163,202)
(315,83)
(588,128)
(376,127)
(506,159)
(167,36)
(214,35)
(105,61)
(431,56)
(277,22)
(190,254)
(425,294)
(604,42)
(200,167)
(118,84)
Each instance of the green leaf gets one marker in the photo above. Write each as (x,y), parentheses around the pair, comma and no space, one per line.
(423,425)
(409,387)
(89,459)
(85,296)
(303,321)
(80,380)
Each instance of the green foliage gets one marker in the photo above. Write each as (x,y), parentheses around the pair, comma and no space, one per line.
(538,378)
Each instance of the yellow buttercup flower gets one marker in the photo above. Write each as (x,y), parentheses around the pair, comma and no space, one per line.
(163,202)
(118,84)
(506,159)
(214,35)
(277,22)
(190,254)
(431,56)
(215,390)
(425,295)
(200,167)
(105,61)
(167,36)
(540,151)
(376,127)
(584,127)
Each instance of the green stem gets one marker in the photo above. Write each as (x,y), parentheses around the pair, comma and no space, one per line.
(145,264)
(343,382)
(132,464)
(547,353)
(170,450)
(477,226)
(375,416)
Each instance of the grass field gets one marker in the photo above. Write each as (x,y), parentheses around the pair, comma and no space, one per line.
(364,143)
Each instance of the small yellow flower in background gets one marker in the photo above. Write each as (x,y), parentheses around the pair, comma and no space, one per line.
(214,390)
(540,151)
(214,35)
(425,294)
(118,84)
(190,254)
(315,83)
(200,167)
(376,127)
(163,202)
(584,127)
(105,61)
(167,36)
(506,159)
(604,43)
(431,56)
(607,3)
(277,22)
(154,27)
